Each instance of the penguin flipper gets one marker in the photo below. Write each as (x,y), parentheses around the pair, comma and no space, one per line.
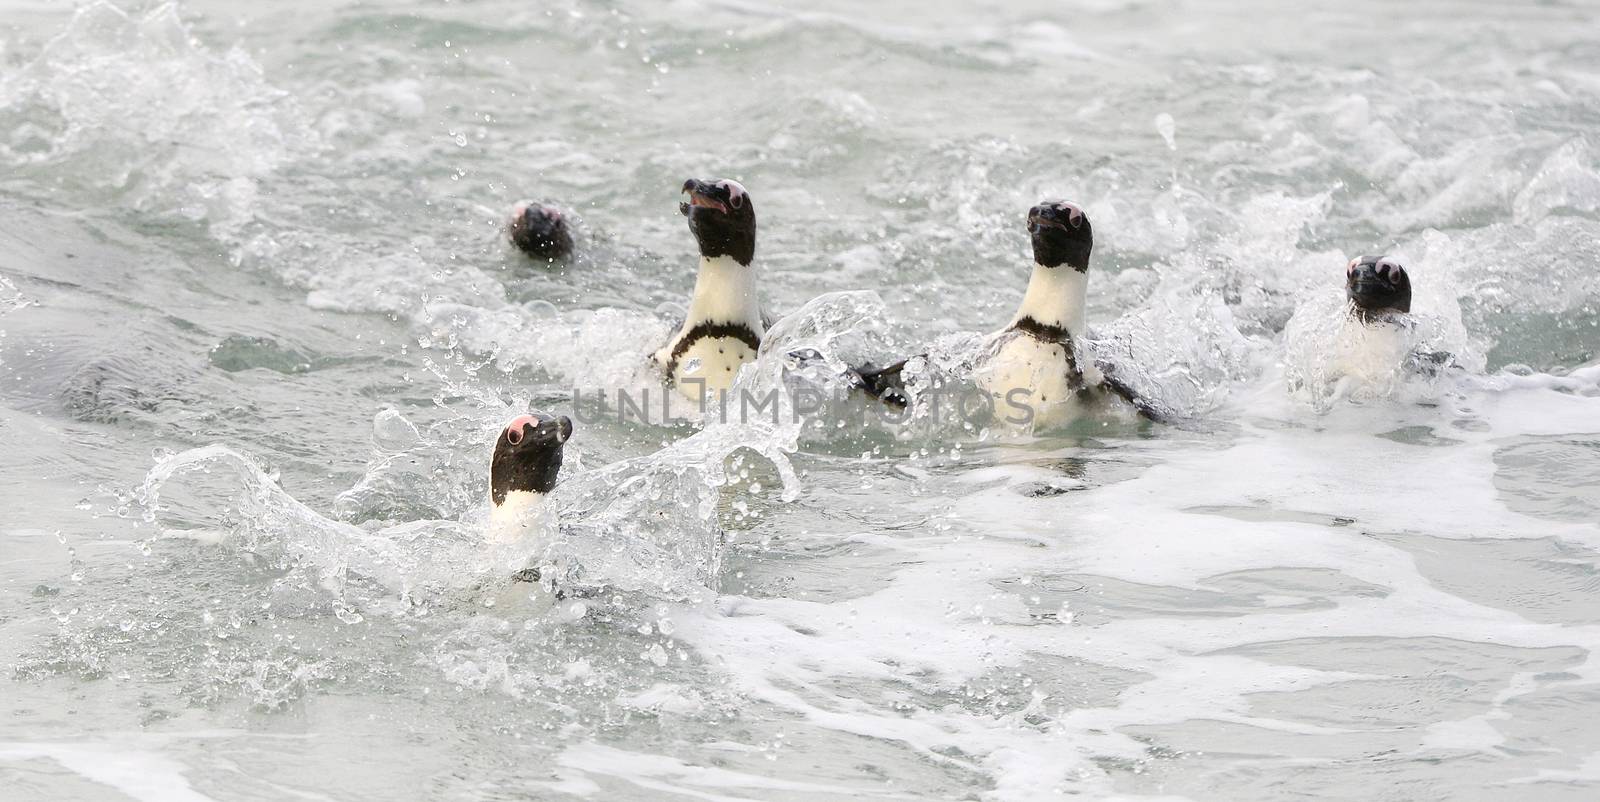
(662,357)
(1430,363)
(1147,408)
(884,384)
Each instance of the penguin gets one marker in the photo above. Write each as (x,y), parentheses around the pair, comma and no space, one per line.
(527,459)
(1035,370)
(540,231)
(724,325)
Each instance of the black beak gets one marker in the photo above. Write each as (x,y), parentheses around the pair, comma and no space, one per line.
(555,430)
(1366,281)
(688,186)
(1040,217)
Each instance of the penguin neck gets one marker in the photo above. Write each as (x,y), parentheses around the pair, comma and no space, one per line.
(520,511)
(725,292)
(1056,297)
(1378,318)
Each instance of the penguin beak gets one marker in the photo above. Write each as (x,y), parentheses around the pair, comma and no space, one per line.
(1052,216)
(700,194)
(1038,220)
(557,430)
(1367,280)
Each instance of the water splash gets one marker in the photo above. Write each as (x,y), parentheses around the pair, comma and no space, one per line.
(647,525)
(1327,354)
(215,494)
(11,298)
(650,524)
(132,108)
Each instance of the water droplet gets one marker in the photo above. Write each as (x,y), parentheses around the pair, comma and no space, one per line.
(1167,128)
(656,655)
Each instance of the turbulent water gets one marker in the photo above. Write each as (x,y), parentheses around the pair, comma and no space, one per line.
(258,327)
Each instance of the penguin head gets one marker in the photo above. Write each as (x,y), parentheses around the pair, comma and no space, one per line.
(1376,285)
(539,230)
(722,218)
(527,455)
(1061,235)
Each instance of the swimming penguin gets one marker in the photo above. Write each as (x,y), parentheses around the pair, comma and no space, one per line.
(724,326)
(527,458)
(1034,370)
(539,230)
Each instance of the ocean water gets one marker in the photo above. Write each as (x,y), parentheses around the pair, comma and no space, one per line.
(258,328)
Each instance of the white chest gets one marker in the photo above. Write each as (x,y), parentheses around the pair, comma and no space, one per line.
(521,527)
(724,294)
(1034,379)
(520,517)
(712,360)
(1370,354)
(1030,378)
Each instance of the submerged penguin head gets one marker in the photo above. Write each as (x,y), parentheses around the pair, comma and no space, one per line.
(527,456)
(722,218)
(1061,235)
(1377,285)
(539,230)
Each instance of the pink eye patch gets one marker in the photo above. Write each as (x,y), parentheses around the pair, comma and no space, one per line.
(735,190)
(514,429)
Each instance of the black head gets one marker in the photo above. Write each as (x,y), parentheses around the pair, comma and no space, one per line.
(1377,285)
(539,230)
(528,455)
(1061,235)
(722,218)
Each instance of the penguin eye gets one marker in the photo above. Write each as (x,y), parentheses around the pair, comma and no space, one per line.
(514,436)
(1350,269)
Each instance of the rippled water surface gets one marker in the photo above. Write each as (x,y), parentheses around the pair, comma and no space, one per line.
(258,328)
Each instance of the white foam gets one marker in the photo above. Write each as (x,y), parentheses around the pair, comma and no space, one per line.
(942,623)
(141,774)
(1587,773)
(668,775)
